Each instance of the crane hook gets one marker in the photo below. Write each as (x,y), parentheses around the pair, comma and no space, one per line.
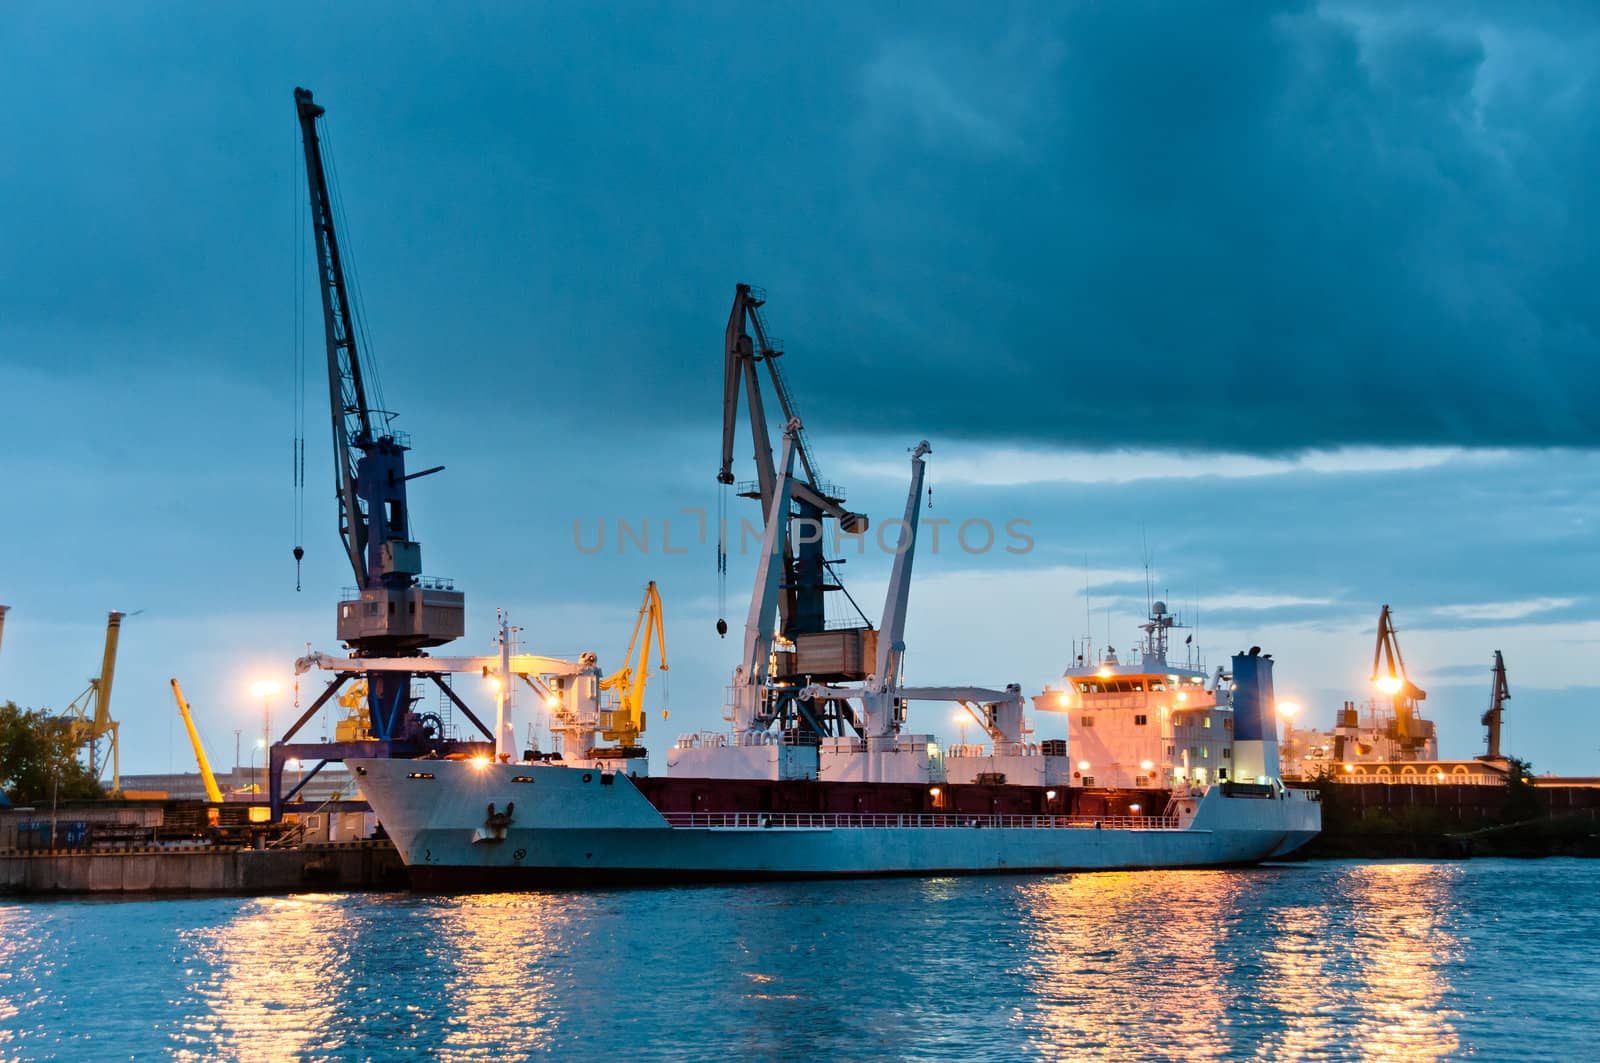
(299,554)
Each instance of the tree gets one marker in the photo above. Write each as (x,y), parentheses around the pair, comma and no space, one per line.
(1522,798)
(38,760)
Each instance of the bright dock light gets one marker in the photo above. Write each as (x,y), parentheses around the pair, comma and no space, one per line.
(264,689)
(1083,765)
(1288,709)
(1390,684)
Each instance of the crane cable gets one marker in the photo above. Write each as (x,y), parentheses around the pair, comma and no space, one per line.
(722,561)
(299,347)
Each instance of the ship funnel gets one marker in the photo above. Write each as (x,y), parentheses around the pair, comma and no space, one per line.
(1255,719)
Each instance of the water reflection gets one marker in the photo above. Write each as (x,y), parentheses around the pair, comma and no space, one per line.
(1275,964)
(1126,965)
(500,991)
(269,980)
(1402,953)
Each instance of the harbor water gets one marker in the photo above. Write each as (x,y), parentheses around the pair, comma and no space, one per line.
(1487,959)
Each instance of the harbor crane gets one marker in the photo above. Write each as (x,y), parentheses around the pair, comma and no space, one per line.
(213,791)
(1499,694)
(393,613)
(624,724)
(1389,676)
(88,718)
(761,692)
(812,646)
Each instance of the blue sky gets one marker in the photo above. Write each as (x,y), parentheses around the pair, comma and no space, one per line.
(1298,295)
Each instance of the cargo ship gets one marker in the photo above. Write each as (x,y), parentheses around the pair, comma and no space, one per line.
(767,800)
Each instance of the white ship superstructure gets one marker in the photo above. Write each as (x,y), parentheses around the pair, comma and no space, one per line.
(1145,721)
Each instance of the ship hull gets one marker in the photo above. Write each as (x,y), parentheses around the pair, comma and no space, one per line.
(569,826)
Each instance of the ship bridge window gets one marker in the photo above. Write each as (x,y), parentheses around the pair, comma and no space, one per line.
(1137,686)
(1086,721)
(1140,720)
(1156,684)
(1084,688)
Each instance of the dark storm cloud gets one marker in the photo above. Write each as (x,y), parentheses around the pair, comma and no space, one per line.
(1325,226)
(1256,227)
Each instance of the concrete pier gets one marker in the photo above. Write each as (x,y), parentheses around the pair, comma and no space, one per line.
(201,870)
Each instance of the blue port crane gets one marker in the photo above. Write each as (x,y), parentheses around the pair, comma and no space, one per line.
(392,611)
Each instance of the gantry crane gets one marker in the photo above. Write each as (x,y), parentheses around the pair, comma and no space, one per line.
(213,791)
(624,724)
(1499,694)
(1389,675)
(813,647)
(88,718)
(393,613)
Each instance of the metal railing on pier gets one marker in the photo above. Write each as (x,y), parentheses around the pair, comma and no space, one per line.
(839,820)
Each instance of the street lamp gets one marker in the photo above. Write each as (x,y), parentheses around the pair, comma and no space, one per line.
(961,718)
(264,690)
(261,744)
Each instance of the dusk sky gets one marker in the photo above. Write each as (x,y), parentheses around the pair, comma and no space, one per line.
(1294,301)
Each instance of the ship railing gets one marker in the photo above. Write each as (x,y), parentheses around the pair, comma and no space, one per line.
(837,820)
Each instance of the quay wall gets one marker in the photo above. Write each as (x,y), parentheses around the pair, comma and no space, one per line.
(349,866)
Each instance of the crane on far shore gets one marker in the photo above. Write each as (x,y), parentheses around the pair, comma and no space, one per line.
(1499,694)
(1389,676)
(88,718)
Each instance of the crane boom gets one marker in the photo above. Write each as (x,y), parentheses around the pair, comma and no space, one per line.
(1499,694)
(1389,675)
(892,629)
(750,677)
(352,418)
(741,353)
(87,723)
(213,791)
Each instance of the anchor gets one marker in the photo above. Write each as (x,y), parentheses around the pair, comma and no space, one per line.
(495,824)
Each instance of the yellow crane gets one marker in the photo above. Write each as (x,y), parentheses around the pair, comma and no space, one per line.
(88,718)
(1389,676)
(213,791)
(626,722)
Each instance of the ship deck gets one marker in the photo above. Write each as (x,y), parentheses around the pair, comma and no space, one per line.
(842,820)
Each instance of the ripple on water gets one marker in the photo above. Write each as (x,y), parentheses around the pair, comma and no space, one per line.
(1329,961)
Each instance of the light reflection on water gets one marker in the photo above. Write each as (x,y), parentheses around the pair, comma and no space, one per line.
(1113,957)
(1405,961)
(266,981)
